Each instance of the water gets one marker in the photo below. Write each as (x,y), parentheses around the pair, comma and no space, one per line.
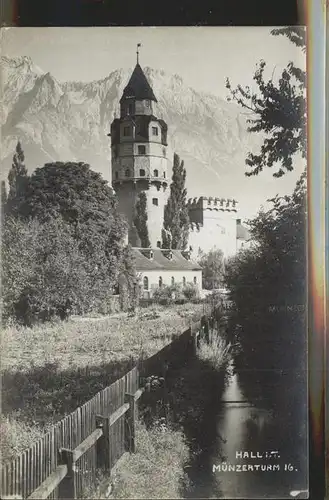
(251,435)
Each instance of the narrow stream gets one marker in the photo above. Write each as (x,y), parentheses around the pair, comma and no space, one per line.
(251,456)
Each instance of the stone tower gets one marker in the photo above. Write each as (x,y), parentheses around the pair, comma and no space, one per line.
(139,156)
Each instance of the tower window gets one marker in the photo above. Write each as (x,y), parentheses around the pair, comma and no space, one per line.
(172,280)
(155,201)
(195,280)
(145,283)
(159,244)
(141,150)
(160,282)
(164,152)
(184,281)
(155,131)
(127,172)
(130,109)
(156,173)
(164,175)
(116,175)
(147,103)
(142,172)
(126,131)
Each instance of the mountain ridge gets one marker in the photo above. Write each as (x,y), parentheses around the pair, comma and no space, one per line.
(69,121)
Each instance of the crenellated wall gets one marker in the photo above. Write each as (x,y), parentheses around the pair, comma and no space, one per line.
(213,225)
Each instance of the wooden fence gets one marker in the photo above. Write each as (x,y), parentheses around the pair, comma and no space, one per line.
(63,463)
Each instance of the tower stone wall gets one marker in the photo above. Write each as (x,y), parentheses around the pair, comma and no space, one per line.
(139,157)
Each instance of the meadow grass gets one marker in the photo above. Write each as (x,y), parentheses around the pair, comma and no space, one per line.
(51,369)
(216,353)
(156,470)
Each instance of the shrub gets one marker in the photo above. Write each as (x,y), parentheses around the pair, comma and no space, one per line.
(216,352)
(191,291)
(45,273)
(169,294)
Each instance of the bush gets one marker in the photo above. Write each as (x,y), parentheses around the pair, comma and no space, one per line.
(191,292)
(169,294)
(45,274)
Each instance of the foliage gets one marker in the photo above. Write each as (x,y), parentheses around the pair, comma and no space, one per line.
(217,352)
(78,252)
(268,283)
(212,264)
(17,176)
(45,274)
(129,288)
(169,294)
(4,195)
(140,220)
(191,291)
(278,110)
(176,219)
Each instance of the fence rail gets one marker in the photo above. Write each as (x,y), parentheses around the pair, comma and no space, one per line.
(63,463)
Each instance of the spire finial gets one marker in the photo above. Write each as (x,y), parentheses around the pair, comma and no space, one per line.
(137,52)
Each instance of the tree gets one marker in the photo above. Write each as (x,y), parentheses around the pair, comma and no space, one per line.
(176,219)
(83,200)
(77,209)
(278,110)
(140,220)
(128,281)
(212,264)
(4,198)
(17,176)
(268,282)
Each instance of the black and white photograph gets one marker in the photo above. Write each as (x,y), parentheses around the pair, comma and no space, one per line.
(154,288)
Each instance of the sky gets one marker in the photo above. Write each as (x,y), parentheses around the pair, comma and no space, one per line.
(202,56)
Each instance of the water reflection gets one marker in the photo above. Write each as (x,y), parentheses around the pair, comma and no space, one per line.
(250,437)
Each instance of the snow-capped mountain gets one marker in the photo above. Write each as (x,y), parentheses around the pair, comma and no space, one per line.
(70,122)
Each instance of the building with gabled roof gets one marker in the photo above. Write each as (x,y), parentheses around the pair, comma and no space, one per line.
(165,267)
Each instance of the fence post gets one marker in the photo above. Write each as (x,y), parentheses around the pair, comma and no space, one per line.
(67,487)
(130,421)
(103,445)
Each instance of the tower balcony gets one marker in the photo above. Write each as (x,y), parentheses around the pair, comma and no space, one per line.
(158,181)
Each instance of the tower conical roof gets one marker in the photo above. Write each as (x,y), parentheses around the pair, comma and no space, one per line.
(138,87)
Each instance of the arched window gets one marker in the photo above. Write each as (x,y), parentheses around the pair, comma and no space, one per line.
(172,280)
(127,172)
(156,173)
(160,282)
(145,283)
(142,172)
(184,281)
(164,175)
(159,244)
(195,280)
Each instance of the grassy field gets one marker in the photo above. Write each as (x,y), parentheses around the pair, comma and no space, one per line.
(156,470)
(50,370)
